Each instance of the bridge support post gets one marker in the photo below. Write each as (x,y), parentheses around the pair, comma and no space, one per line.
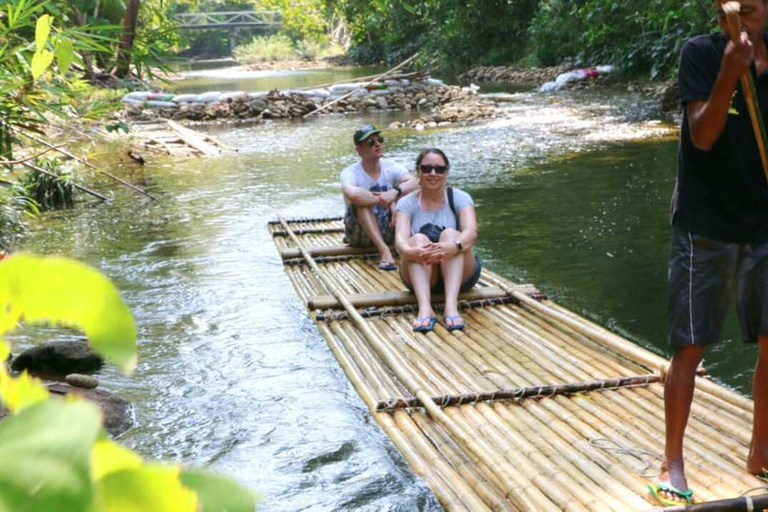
(232,39)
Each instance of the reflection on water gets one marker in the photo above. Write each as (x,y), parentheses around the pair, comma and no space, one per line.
(234,375)
(241,79)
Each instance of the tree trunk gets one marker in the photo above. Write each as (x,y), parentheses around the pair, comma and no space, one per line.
(123,59)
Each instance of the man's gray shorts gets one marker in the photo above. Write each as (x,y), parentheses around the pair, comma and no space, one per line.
(703,276)
(355,235)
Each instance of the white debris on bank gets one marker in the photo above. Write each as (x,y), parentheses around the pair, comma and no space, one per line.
(320,96)
(575,75)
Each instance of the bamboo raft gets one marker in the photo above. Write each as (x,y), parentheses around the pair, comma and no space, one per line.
(531,407)
(171,138)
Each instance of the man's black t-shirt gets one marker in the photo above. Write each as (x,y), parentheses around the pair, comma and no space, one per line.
(721,193)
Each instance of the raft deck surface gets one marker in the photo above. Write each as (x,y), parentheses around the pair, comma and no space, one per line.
(593,450)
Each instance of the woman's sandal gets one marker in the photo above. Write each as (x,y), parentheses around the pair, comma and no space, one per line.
(456,323)
(418,325)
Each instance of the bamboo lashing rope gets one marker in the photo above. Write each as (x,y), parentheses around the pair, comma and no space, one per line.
(300,220)
(331,259)
(732,10)
(520,393)
(311,231)
(409,308)
(518,488)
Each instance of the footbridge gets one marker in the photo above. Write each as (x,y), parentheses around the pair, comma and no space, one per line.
(233,21)
(268,20)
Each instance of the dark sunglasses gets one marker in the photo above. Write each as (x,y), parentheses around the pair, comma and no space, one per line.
(371,141)
(427,169)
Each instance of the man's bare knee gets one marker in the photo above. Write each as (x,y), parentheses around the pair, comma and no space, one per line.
(689,355)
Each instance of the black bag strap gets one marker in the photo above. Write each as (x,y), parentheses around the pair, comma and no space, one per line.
(453,208)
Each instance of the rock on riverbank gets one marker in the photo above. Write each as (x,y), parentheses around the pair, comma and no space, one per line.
(426,94)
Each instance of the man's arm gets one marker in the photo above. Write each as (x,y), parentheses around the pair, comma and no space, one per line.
(408,183)
(707,119)
(358,195)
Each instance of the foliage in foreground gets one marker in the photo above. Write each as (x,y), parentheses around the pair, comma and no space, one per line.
(56,455)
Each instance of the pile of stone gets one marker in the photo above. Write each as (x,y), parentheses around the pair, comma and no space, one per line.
(65,367)
(402,94)
(513,75)
(462,112)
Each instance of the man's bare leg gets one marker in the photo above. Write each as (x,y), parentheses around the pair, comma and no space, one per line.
(367,220)
(757,462)
(678,395)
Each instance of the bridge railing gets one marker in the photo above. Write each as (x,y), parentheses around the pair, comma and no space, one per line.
(228,19)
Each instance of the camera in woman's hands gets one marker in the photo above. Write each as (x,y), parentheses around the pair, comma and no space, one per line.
(432,231)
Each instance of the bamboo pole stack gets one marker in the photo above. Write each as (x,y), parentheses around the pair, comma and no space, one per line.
(594,447)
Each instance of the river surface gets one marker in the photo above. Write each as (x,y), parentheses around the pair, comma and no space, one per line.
(572,194)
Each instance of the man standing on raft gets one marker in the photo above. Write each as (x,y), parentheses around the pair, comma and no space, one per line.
(720,229)
(371,188)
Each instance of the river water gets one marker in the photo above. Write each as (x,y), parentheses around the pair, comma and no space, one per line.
(572,193)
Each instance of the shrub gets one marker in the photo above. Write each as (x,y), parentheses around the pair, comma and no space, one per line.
(261,49)
(47,191)
(638,37)
(315,50)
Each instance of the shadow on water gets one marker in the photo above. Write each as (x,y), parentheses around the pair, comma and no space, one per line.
(572,194)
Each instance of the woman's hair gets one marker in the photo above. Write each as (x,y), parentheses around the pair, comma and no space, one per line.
(432,151)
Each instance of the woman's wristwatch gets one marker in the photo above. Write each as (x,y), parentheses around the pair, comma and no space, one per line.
(399,190)
(459,246)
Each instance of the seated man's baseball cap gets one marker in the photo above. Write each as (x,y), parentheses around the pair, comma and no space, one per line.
(364,132)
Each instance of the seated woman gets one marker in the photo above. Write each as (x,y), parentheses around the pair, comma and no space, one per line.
(435,228)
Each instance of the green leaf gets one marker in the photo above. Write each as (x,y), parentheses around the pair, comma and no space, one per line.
(152,487)
(408,7)
(63,291)
(218,493)
(40,62)
(42,29)
(45,450)
(65,53)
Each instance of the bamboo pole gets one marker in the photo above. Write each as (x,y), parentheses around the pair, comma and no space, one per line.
(52,175)
(445,490)
(192,139)
(334,250)
(389,299)
(740,504)
(419,74)
(517,486)
(373,81)
(520,393)
(732,10)
(305,220)
(85,162)
(308,231)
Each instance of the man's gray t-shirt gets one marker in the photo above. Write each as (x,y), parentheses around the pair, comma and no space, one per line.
(443,217)
(389,176)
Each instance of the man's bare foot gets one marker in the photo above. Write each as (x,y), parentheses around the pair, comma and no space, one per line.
(757,466)
(673,474)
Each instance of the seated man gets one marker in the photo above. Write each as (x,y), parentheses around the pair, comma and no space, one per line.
(371,188)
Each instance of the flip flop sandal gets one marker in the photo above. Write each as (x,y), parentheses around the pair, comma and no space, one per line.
(387,265)
(685,497)
(457,323)
(418,327)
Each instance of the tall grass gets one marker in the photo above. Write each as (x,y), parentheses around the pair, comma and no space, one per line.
(267,48)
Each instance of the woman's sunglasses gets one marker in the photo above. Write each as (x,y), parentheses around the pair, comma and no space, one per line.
(371,141)
(427,169)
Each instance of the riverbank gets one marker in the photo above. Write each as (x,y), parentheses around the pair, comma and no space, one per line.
(665,92)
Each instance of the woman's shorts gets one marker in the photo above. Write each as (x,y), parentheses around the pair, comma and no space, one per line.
(467,285)
(704,275)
